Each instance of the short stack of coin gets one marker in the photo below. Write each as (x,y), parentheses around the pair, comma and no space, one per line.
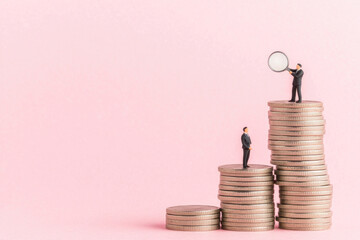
(296,144)
(247,197)
(193,218)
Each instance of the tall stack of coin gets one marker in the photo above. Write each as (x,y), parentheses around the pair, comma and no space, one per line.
(247,197)
(296,144)
(193,218)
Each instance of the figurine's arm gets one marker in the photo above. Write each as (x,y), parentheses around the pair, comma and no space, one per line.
(297,74)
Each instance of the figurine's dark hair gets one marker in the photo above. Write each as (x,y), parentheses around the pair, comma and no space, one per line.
(244,129)
(299,64)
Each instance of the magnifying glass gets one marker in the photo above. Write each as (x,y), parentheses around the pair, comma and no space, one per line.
(278,61)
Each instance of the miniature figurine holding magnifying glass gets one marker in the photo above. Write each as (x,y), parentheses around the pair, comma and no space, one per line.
(297,73)
(279,62)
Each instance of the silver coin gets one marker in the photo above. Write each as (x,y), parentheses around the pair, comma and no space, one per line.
(192,228)
(302,168)
(237,193)
(248,229)
(253,169)
(298,163)
(247,184)
(302,178)
(296,138)
(246,206)
(306,193)
(302,184)
(294,114)
(301,173)
(306,189)
(246,188)
(302,105)
(307,207)
(297,110)
(247,179)
(298,153)
(297,123)
(298,157)
(295,143)
(251,216)
(192,210)
(295,148)
(303,202)
(248,211)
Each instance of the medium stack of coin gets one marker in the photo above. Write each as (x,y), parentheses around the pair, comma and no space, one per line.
(296,144)
(247,197)
(193,218)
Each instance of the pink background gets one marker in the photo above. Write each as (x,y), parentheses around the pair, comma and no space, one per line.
(112,111)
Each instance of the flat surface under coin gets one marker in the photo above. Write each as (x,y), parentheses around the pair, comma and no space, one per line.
(192,210)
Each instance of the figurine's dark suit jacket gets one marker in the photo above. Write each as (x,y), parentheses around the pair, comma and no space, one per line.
(297,77)
(246,141)
(296,84)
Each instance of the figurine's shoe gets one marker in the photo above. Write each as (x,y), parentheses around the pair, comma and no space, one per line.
(298,101)
(291,100)
(247,166)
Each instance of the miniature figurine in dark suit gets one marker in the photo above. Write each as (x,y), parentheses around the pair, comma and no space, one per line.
(298,73)
(246,141)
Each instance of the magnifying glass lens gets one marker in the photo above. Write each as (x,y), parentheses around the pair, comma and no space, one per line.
(278,61)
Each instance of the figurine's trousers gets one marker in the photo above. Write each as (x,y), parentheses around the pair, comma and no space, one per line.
(246,156)
(294,89)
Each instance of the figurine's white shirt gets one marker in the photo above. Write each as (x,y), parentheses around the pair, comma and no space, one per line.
(298,69)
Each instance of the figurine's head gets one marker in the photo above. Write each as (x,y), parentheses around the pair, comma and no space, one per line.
(245,129)
(298,66)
